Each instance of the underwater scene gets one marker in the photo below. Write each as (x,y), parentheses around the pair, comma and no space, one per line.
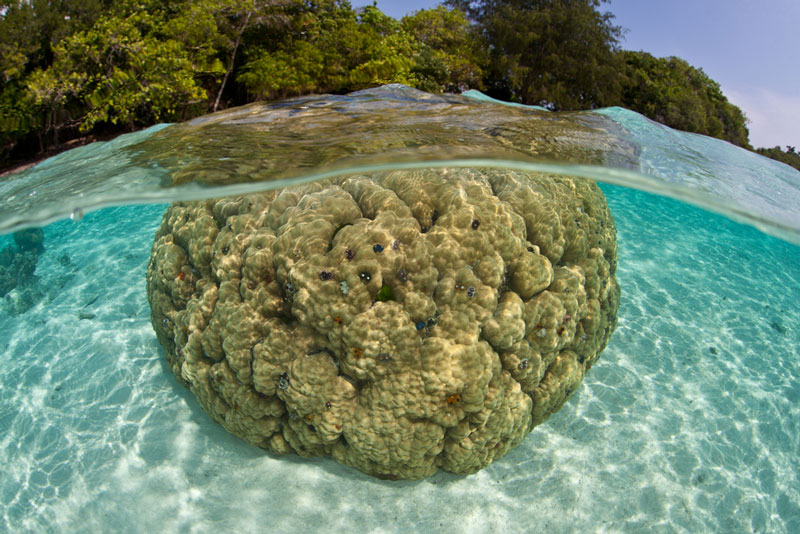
(636,368)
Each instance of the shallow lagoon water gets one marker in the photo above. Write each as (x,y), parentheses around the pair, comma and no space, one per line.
(689,422)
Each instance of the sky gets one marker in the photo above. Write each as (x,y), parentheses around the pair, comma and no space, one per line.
(751,48)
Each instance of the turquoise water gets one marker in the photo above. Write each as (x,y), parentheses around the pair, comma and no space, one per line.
(690,421)
(664,433)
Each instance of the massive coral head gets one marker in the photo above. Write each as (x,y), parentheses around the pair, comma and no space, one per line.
(400,323)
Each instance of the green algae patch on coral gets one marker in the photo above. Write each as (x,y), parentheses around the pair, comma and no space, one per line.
(385,293)
(401,322)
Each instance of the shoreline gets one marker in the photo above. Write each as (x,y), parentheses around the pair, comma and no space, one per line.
(24,164)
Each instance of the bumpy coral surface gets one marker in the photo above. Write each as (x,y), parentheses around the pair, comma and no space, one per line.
(399,323)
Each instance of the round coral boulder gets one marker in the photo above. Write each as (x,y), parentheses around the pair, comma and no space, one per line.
(400,323)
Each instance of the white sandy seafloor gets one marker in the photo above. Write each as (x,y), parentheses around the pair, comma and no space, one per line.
(690,422)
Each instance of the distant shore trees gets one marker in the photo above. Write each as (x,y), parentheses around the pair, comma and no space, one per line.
(790,156)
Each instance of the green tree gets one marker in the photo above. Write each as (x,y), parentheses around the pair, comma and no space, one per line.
(113,73)
(375,51)
(555,53)
(211,32)
(28,32)
(235,18)
(328,47)
(450,55)
(672,92)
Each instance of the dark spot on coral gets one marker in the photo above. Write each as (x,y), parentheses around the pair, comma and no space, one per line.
(325,275)
(420,324)
(365,276)
(530,249)
(377,248)
(349,254)
(402,275)
(581,358)
(225,249)
(712,350)
(523,365)
(470,291)
(434,216)
(328,404)
(475,224)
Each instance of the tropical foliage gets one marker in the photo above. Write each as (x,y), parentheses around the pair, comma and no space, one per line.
(328,47)
(673,92)
(115,72)
(560,54)
(74,69)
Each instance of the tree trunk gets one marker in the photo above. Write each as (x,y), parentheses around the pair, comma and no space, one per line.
(231,61)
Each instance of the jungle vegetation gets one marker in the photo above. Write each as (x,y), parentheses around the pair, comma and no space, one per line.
(76,70)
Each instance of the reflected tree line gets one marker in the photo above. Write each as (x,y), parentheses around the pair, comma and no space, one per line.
(78,70)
